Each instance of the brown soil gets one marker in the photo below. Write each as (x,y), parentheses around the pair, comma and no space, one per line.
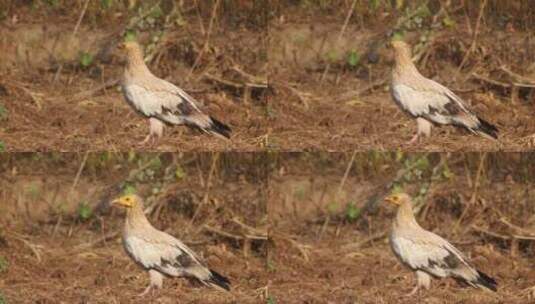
(349,108)
(53,103)
(320,256)
(54,256)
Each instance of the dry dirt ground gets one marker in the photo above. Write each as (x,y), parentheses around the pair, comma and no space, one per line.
(320,102)
(65,272)
(50,102)
(319,256)
(49,254)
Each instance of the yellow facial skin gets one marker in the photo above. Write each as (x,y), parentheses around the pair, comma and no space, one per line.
(393,199)
(126,201)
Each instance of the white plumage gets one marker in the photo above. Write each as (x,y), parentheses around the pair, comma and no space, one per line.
(160,253)
(430,102)
(161,101)
(428,254)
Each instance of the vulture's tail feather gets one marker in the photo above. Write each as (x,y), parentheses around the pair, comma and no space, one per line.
(219,128)
(218,280)
(487,129)
(486,281)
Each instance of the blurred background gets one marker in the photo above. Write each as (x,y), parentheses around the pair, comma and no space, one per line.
(330,69)
(60,239)
(60,70)
(329,225)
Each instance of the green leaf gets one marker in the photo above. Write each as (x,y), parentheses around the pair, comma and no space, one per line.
(129,189)
(130,35)
(333,208)
(333,56)
(2,299)
(397,36)
(352,212)
(423,11)
(448,22)
(374,4)
(3,264)
(106,4)
(84,211)
(3,112)
(179,173)
(300,193)
(2,146)
(446,172)
(86,59)
(271,300)
(397,189)
(271,266)
(353,58)
(156,12)
(422,163)
(155,163)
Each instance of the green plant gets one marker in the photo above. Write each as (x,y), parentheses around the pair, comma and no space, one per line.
(106,4)
(179,172)
(448,22)
(271,266)
(333,56)
(130,35)
(52,2)
(2,146)
(374,4)
(3,112)
(86,59)
(2,299)
(352,212)
(84,211)
(129,189)
(333,208)
(33,191)
(300,193)
(271,300)
(3,264)
(353,58)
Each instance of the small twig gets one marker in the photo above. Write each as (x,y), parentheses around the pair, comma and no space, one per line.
(253,233)
(516,76)
(346,173)
(33,247)
(474,191)
(356,93)
(92,92)
(303,96)
(358,245)
(303,249)
(223,233)
(80,169)
(474,38)
(502,84)
(208,186)
(502,236)
(102,239)
(348,16)
(206,42)
(75,30)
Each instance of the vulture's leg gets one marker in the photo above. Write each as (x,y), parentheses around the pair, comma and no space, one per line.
(156,282)
(423,280)
(156,131)
(423,128)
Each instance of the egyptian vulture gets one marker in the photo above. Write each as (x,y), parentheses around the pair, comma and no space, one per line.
(160,101)
(430,102)
(427,254)
(160,253)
